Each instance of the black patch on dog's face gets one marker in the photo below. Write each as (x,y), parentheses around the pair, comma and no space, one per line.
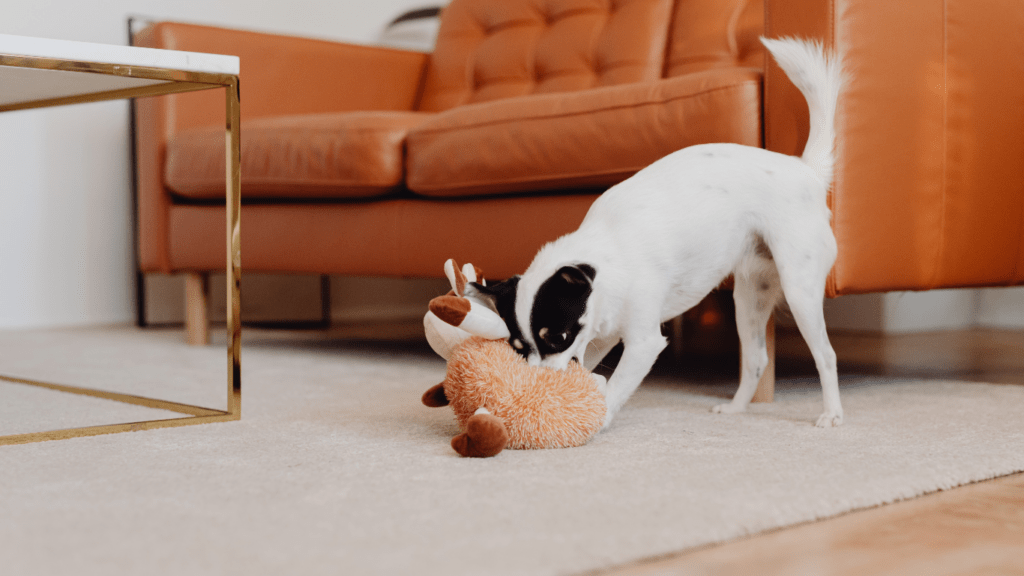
(560,302)
(503,298)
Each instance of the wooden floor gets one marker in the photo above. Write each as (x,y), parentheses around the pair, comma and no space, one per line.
(975,529)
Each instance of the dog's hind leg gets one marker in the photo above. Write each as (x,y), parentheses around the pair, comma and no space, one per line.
(803,272)
(811,321)
(756,291)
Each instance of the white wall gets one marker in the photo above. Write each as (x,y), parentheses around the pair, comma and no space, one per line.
(902,312)
(65,206)
(1001,307)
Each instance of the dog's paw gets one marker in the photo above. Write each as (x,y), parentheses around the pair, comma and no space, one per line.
(608,416)
(728,408)
(829,420)
(602,384)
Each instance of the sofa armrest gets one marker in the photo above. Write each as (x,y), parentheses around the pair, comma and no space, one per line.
(280,75)
(930,135)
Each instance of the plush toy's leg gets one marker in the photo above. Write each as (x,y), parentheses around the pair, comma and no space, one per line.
(435,397)
(485,436)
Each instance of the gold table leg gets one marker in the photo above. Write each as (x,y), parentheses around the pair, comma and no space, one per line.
(234,245)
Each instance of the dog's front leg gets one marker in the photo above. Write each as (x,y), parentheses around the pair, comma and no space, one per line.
(638,356)
(596,350)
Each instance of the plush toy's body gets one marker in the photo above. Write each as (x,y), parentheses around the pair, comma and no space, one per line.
(498,399)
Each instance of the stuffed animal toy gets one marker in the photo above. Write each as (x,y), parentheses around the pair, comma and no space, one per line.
(498,399)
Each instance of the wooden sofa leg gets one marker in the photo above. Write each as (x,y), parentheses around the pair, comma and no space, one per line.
(766,386)
(676,333)
(197,326)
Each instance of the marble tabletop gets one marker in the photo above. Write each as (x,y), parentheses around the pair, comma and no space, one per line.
(24,84)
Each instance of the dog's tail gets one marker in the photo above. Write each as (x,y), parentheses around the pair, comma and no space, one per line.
(819,77)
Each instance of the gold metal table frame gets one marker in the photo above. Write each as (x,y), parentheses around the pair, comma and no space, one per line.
(169,82)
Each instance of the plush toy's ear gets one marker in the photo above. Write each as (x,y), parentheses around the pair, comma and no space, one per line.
(435,397)
(470,315)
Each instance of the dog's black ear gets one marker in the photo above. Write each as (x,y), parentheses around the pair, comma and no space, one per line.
(581,275)
(569,285)
(501,297)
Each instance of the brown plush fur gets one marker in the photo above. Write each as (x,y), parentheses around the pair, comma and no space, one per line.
(540,407)
(484,437)
(451,309)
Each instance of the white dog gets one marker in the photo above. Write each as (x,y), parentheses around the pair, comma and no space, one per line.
(656,244)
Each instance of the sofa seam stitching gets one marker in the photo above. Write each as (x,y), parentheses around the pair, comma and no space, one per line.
(743,84)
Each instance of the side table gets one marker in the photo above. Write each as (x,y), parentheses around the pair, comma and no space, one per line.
(37,73)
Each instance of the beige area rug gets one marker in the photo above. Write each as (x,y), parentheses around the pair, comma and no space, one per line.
(336,468)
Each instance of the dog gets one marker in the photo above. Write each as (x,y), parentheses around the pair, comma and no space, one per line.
(656,244)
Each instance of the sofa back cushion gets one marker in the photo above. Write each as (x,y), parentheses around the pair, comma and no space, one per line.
(493,49)
(708,34)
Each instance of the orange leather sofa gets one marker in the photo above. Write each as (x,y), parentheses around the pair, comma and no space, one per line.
(370,161)
(929,186)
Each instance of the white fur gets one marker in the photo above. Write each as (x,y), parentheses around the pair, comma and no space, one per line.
(663,239)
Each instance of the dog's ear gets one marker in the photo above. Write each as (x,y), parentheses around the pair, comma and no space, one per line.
(580,275)
(500,297)
(569,284)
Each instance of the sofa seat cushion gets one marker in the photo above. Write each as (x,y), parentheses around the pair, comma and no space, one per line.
(591,138)
(336,155)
